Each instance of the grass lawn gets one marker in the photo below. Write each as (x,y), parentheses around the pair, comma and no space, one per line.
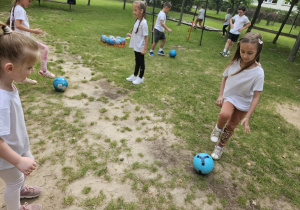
(261,166)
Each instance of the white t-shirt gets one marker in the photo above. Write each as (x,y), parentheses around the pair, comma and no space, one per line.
(161,16)
(12,125)
(239,89)
(227,18)
(20,14)
(201,16)
(239,22)
(137,41)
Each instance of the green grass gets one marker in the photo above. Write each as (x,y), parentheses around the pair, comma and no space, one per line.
(182,91)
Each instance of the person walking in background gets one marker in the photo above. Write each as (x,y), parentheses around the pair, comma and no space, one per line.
(19,18)
(139,42)
(239,91)
(18,54)
(160,26)
(226,21)
(200,17)
(239,20)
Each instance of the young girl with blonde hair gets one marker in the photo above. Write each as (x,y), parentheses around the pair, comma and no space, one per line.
(19,19)
(139,41)
(240,90)
(18,54)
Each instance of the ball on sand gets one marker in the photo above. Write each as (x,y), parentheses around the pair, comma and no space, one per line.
(172,53)
(203,163)
(60,84)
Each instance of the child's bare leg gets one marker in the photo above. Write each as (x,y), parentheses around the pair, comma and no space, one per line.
(227,44)
(231,46)
(225,114)
(153,45)
(162,43)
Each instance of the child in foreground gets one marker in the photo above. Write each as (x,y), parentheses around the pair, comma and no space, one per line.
(239,91)
(18,54)
(160,26)
(21,23)
(239,20)
(139,42)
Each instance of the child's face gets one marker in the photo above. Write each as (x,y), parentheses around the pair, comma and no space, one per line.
(241,12)
(248,51)
(137,12)
(23,70)
(25,3)
(166,9)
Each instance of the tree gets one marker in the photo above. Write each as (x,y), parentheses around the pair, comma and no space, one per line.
(295,49)
(181,13)
(255,14)
(293,3)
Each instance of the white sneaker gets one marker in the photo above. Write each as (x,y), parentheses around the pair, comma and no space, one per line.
(131,78)
(226,55)
(217,153)
(215,134)
(47,74)
(138,81)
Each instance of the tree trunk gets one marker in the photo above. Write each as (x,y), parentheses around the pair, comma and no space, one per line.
(285,19)
(295,49)
(255,14)
(181,13)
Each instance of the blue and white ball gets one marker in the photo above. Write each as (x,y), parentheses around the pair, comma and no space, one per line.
(110,41)
(118,41)
(203,163)
(111,37)
(105,39)
(123,41)
(102,37)
(60,84)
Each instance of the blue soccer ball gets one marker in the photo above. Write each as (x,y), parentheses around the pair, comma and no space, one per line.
(102,37)
(110,41)
(203,163)
(118,41)
(111,37)
(172,53)
(60,84)
(123,41)
(105,39)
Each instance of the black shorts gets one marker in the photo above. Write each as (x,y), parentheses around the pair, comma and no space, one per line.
(233,37)
(158,35)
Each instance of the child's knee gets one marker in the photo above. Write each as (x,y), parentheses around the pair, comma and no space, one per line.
(224,115)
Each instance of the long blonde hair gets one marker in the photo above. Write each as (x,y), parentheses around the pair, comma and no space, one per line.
(251,37)
(16,47)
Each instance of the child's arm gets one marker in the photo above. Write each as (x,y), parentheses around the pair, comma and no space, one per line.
(18,25)
(25,164)
(220,98)
(248,24)
(253,105)
(146,44)
(164,25)
(231,24)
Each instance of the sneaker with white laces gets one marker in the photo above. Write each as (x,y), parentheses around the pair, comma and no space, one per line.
(215,134)
(151,54)
(131,78)
(217,153)
(34,206)
(226,55)
(30,192)
(28,81)
(161,53)
(222,53)
(47,74)
(138,81)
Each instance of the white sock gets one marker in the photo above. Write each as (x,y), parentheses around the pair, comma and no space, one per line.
(224,50)
(228,52)
(151,50)
(160,49)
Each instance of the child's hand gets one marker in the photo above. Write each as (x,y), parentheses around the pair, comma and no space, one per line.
(170,30)
(128,34)
(246,123)
(38,31)
(26,165)
(143,52)
(219,101)
(240,29)
(231,26)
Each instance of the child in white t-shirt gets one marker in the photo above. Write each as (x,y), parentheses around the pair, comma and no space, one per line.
(235,31)
(239,91)
(18,54)
(139,42)
(21,24)
(200,17)
(160,26)
(226,21)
